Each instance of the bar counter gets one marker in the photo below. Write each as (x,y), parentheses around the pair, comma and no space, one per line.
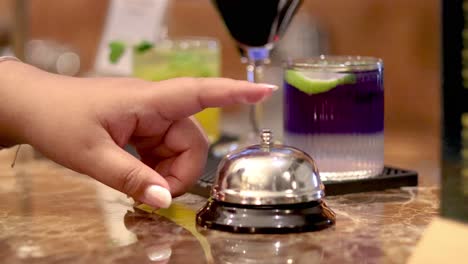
(50,214)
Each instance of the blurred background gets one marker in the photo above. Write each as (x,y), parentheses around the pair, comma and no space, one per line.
(405,34)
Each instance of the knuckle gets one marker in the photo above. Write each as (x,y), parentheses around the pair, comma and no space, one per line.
(131,183)
(201,136)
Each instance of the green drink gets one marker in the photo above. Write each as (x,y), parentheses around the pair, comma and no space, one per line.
(187,57)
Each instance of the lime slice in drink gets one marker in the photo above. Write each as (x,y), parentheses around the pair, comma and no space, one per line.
(317,82)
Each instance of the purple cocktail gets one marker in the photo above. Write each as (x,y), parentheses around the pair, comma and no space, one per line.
(334,110)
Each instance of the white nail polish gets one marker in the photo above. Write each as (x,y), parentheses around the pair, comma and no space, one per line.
(270,86)
(158,196)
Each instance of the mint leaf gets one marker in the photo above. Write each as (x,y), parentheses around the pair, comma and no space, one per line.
(117,49)
(143,46)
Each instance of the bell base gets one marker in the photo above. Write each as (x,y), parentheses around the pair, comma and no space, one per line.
(265,219)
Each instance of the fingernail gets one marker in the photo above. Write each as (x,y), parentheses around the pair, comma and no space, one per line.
(158,253)
(269,86)
(158,196)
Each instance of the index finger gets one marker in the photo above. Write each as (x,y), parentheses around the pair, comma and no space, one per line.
(183,97)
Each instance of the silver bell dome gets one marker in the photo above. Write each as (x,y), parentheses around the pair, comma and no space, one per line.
(267,174)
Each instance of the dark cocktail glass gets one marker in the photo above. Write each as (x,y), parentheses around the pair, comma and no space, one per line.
(256,26)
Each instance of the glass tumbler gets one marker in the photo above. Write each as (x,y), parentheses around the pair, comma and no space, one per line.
(184,57)
(334,111)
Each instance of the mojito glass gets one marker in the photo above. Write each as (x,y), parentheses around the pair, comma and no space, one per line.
(183,57)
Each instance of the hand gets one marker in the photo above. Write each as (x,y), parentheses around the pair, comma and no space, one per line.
(84,123)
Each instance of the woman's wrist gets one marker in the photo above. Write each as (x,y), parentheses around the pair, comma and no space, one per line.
(16,79)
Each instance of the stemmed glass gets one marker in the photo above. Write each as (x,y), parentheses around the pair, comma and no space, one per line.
(255,26)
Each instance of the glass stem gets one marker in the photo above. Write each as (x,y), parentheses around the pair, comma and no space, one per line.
(255,74)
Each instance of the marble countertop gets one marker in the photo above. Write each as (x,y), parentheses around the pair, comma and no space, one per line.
(50,214)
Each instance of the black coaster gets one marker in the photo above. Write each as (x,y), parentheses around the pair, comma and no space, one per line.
(265,219)
(390,178)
